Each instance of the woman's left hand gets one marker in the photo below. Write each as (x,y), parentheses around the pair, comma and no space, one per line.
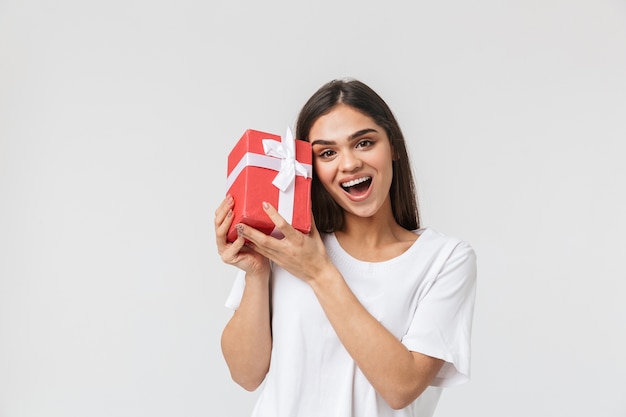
(303,255)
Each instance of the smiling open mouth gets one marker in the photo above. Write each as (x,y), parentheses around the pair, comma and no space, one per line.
(358,186)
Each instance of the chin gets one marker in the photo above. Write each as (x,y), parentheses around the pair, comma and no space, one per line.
(363,213)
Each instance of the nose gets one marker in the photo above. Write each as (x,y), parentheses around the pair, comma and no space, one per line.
(350,162)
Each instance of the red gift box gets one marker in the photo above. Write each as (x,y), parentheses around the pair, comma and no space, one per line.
(265,167)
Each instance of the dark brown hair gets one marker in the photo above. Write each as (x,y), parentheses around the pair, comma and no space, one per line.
(327,213)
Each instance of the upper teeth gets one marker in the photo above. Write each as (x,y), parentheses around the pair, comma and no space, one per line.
(355,182)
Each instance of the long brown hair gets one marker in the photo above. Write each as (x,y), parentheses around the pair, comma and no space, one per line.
(327,213)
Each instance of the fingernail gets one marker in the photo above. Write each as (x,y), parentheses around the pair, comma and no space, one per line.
(266,205)
(239,228)
(229,198)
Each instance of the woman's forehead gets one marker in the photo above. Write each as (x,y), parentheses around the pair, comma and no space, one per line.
(342,122)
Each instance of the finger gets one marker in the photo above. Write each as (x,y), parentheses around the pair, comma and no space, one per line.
(259,241)
(222,230)
(281,224)
(223,208)
(223,220)
(231,252)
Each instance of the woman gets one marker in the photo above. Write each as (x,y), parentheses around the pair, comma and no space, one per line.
(368,315)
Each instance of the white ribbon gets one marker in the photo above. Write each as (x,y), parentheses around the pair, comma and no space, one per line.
(281,157)
(289,166)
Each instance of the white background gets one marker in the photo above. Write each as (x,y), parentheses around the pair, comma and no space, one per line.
(115,121)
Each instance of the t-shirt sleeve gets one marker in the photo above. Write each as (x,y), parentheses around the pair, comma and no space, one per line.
(236,292)
(442,324)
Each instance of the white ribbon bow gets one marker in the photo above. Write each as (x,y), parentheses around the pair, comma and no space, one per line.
(289,166)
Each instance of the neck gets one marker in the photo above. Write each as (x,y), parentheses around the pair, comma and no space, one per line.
(371,232)
(374,239)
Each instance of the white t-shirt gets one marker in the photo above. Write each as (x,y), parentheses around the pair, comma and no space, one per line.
(425,297)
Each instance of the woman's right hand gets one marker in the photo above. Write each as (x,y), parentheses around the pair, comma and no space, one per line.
(236,253)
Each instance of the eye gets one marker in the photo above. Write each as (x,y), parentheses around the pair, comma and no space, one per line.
(326,153)
(365,143)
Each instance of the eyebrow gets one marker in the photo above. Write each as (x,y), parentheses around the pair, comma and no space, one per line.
(353,136)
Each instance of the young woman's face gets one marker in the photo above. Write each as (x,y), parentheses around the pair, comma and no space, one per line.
(352,157)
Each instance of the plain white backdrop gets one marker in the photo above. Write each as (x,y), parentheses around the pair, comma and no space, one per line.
(115,121)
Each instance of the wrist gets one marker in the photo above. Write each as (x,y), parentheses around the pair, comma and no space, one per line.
(325,274)
(258,276)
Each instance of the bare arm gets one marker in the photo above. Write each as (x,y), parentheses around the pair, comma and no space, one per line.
(246,339)
(396,373)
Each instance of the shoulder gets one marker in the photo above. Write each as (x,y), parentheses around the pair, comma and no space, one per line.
(448,253)
(441,243)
